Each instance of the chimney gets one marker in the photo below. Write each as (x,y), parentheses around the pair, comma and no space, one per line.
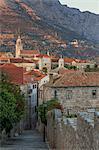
(51,78)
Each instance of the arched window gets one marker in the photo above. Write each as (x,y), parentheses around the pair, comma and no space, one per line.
(94,93)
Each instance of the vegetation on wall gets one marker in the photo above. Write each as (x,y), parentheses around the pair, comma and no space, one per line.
(70,67)
(47,106)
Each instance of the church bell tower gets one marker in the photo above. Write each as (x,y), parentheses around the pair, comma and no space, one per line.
(19,46)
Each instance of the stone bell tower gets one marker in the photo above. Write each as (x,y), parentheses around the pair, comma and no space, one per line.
(61,62)
(19,46)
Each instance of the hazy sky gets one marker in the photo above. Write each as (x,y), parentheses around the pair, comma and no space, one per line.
(83,5)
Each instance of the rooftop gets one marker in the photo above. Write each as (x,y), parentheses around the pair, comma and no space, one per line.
(15,74)
(76,79)
(20,60)
(35,74)
(29,52)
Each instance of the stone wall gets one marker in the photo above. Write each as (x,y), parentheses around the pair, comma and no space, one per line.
(85,134)
(73,97)
(73,133)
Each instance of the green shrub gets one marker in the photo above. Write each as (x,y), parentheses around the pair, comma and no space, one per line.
(45,107)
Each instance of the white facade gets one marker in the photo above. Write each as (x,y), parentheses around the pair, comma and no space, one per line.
(45,62)
(61,63)
(82,66)
(27,66)
(44,81)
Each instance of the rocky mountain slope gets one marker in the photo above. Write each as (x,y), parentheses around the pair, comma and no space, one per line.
(35,19)
(85,24)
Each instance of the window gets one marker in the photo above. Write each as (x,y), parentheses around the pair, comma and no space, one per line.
(35,109)
(69,94)
(33,86)
(55,94)
(94,93)
(29,101)
(29,97)
(29,91)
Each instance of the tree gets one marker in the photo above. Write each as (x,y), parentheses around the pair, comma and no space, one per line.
(12,104)
(7,110)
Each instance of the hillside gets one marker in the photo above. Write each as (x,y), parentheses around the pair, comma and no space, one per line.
(36,20)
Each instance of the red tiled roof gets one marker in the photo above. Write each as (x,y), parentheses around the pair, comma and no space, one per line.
(20,60)
(29,52)
(15,74)
(28,78)
(55,59)
(35,74)
(43,55)
(4,58)
(68,60)
(76,79)
(81,61)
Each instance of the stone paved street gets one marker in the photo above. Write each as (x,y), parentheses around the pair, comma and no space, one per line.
(29,140)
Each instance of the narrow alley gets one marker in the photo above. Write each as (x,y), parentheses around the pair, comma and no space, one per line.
(29,140)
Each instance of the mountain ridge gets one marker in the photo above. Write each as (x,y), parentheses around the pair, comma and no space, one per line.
(42,17)
(84,23)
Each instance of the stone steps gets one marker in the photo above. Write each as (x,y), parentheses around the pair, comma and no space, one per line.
(29,140)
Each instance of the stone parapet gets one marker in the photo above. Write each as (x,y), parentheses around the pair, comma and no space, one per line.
(81,133)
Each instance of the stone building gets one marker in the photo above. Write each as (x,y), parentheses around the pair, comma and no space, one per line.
(20,52)
(75,43)
(25,63)
(44,62)
(74,90)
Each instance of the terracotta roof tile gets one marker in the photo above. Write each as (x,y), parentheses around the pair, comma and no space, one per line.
(15,74)
(35,74)
(4,58)
(68,60)
(20,60)
(30,52)
(74,79)
(43,55)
